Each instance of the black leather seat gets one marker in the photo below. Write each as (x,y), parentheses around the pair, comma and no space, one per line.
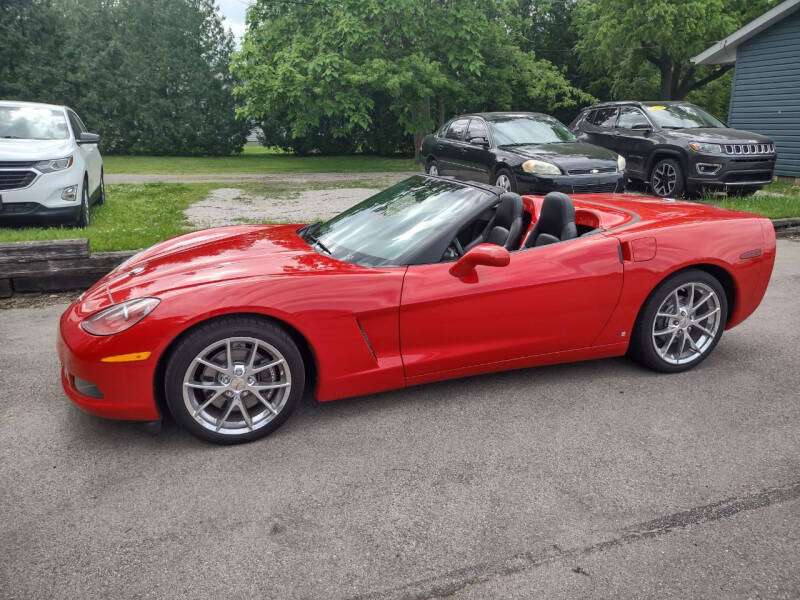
(505,226)
(556,222)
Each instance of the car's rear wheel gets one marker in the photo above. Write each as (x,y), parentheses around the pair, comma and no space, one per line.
(667,179)
(84,217)
(432,168)
(234,380)
(505,179)
(681,322)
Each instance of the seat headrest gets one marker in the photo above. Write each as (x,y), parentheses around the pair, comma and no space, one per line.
(510,207)
(557,205)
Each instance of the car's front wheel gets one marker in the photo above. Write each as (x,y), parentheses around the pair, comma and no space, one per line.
(681,322)
(505,179)
(432,168)
(234,380)
(84,217)
(667,179)
(101,198)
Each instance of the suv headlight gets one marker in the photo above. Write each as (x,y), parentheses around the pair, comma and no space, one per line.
(621,163)
(704,147)
(49,166)
(540,167)
(120,317)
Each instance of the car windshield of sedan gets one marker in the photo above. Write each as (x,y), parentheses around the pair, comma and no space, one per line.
(682,116)
(32,123)
(521,131)
(389,226)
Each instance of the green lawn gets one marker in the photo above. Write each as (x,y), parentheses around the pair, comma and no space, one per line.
(255,159)
(776,201)
(135,216)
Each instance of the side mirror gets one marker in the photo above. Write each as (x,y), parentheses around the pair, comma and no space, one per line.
(490,255)
(642,127)
(88,138)
(479,141)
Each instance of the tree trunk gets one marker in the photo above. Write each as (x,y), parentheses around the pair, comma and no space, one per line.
(666,81)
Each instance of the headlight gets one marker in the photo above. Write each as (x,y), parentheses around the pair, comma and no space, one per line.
(703,147)
(541,167)
(49,166)
(621,164)
(120,316)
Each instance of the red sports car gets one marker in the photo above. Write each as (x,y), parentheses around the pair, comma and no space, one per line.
(427,280)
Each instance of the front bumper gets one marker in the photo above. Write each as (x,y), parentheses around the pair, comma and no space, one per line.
(41,200)
(528,183)
(717,171)
(121,390)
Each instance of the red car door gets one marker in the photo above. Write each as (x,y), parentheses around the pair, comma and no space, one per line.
(547,299)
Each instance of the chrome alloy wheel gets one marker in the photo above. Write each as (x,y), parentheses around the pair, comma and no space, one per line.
(433,170)
(503,182)
(237,385)
(665,178)
(686,323)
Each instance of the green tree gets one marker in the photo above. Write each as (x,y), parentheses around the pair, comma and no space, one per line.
(360,68)
(150,76)
(632,42)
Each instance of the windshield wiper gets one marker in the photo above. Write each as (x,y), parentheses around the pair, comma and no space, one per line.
(11,137)
(315,240)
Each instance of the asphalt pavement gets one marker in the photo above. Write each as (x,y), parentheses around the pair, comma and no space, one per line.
(588,480)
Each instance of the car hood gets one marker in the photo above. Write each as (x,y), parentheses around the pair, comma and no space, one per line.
(217,256)
(567,155)
(720,135)
(31,150)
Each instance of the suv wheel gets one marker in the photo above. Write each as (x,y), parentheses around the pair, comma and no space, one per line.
(84,218)
(666,179)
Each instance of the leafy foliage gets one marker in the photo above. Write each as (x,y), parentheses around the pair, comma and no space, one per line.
(646,45)
(367,74)
(150,76)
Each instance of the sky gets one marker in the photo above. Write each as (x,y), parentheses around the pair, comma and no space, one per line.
(233,11)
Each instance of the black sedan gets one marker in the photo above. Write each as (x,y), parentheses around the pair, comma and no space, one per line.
(521,152)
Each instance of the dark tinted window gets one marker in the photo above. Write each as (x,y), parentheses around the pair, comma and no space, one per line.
(477,128)
(77,125)
(630,117)
(456,129)
(604,117)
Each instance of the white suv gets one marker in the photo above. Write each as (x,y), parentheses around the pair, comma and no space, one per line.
(50,166)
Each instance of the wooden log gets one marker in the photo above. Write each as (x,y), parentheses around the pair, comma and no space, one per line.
(65,275)
(6,291)
(100,262)
(14,252)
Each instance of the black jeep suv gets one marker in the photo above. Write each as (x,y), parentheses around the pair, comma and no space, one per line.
(678,148)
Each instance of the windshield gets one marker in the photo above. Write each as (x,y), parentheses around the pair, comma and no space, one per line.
(387,227)
(32,123)
(681,116)
(529,130)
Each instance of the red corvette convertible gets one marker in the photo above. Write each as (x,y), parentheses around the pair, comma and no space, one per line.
(427,280)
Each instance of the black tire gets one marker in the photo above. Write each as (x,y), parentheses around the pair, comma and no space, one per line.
(182,360)
(667,179)
(643,338)
(101,198)
(84,217)
(503,172)
(433,165)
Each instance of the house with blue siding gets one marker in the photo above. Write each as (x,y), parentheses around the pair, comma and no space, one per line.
(765,97)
